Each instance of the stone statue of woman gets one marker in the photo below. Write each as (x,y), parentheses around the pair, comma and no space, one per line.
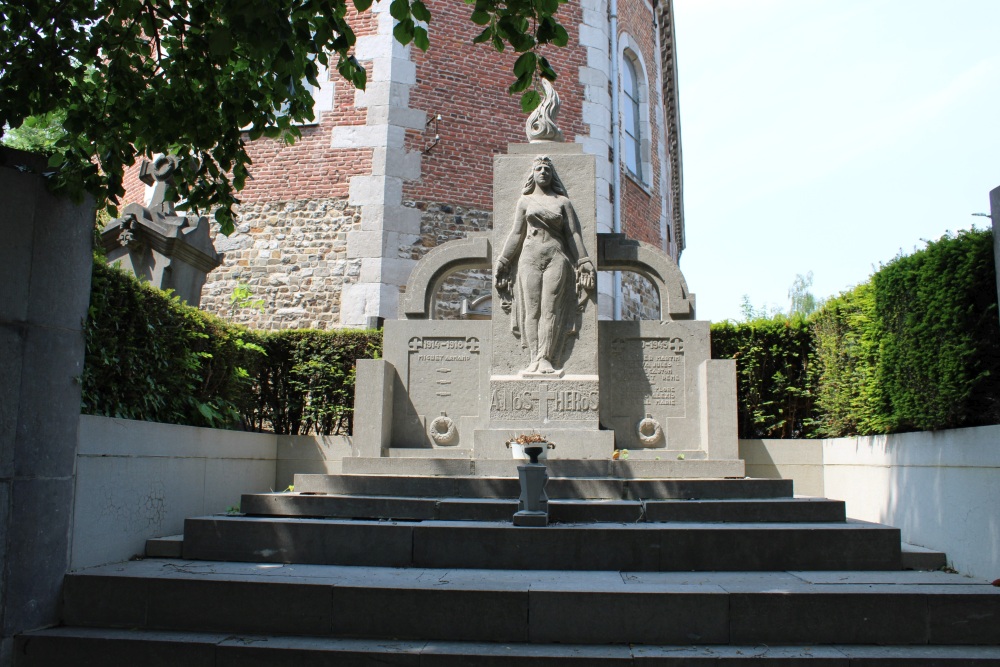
(543,272)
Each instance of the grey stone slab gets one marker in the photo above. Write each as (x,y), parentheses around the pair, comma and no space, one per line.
(429,453)
(378,485)
(261,606)
(407,466)
(456,654)
(104,600)
(470,613)
(718,489)
(256,651)
(698,615)
(601,511)
(921,656)
(908,577)
(828,618)
(165,547)
(778,547)
(672,468)
(250,539)
(788,510)
(591,580)
(718,656)
(486,487)
(368,507)
(37,551)
(965,619)
(469,509)
(556,547)
(596,488)
(11,361)
(728,581)
(60,289)
(21,192)
(920,558)
(92,647)
(48,410)
(5,508)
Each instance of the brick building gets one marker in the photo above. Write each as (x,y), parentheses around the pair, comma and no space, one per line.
(330,227)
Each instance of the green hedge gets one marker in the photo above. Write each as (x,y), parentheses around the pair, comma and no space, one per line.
(305,383)
(915,348)
(775,375)
(151,357)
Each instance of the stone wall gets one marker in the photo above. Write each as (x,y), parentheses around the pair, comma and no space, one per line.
(639,298)
(293,255)
(440,223)
(139,480)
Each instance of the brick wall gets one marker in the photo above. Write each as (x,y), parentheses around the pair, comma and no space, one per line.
(642,209)
(291,246)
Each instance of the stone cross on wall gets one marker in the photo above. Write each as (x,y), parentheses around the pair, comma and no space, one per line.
(159,173)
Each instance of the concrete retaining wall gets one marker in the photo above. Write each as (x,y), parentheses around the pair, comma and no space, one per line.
(137,480)
(941,489)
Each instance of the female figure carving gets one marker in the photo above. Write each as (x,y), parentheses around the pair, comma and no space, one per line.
(543,272)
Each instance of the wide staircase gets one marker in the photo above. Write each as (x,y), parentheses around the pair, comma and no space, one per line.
(430,571)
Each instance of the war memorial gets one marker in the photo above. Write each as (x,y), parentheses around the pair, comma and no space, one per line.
(491,514)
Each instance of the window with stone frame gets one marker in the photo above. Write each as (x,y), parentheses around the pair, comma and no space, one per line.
(632,118)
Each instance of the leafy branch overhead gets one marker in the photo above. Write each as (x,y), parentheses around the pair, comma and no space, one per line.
(201,78)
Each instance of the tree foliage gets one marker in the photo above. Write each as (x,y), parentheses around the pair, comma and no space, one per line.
(199,78)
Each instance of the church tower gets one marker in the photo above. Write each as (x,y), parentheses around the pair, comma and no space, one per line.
(330,227)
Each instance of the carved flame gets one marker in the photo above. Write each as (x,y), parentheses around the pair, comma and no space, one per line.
(541,124)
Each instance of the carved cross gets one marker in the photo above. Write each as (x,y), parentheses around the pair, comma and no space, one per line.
(159,173)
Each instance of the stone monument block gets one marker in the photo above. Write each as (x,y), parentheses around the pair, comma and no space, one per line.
(543,364)
(656,376)
(439,389)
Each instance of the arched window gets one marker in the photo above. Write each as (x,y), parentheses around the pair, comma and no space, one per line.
(631,118)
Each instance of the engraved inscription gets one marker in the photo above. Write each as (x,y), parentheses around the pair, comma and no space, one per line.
(653,372)
(521,400)
(439,365)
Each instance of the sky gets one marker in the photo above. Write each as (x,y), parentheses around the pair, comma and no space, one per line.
(829,136)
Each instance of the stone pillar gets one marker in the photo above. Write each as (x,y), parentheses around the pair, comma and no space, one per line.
(386,225)
(995,218)
(45,267)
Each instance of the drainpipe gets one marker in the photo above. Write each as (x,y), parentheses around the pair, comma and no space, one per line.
(616,172)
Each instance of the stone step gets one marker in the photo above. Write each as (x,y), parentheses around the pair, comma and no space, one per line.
(93,647)
(602,488)
(540,607)
(642,466)
(921,558)
(500,545)
(567,511)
